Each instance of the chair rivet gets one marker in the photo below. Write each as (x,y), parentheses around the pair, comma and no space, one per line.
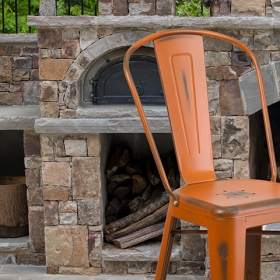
(176,203)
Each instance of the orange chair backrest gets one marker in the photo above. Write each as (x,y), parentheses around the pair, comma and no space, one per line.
(181,65)
(180,58)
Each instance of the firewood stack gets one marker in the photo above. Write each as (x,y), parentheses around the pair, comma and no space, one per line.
(137,200)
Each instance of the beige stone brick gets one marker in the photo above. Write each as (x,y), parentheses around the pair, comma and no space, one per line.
(67,246)
(75,148)
(55,193)
(250,7)
(32,162)
(93,145)
(49,91)
(85,177)
(5,69)
(70,49)
(80,270)
(53,69)
(67,207)
(33,177)
(49,109)
(56,173)
(241,169)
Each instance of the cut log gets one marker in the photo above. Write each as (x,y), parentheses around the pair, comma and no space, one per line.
(122,191)
(119,158)
(139,236)
(116,180)
(111,218)
(155,217)
(173,174)
(113,207)
(138,215)
(152,172)
(133,168)
(139,184)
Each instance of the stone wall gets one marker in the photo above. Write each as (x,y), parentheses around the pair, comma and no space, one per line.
(19,74)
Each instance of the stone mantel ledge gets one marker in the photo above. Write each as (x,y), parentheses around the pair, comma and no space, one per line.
(18,117)
(19,39)
(226,22)
(106,119)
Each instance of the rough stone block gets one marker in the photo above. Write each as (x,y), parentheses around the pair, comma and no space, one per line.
(118,268)
(49,109)
(51,213)
(67,207)
(70,49)
(67,218)
(34,196)
(93,145)
(230,99)
(10,98)
(55,193)
(250,7)
(142,8)
(191,267)
(80,271)
(249,89)
(264,40)
(213,88)
(4,86)
(120,8)
(33,162)
(71,95)
(241,169)
(193,247)
(49,91)
(49,38)
(89,212)
(52,173)
(31,93)
(95,245)
(165,8)
(36,229)
(87,37)
(3,50)
(139,267)
(76,148)
(85,177)
(223,165)
(33,177)
(47,8)
(53,69)
(235,137)
(46,145)
(59,148)
(70,33)
(215,125)
(68,114)
(219,73)
(21,62)
(20,75)
(216,146)
(7,259)
(31,144)
(67,246)
(31,258)
(217,58)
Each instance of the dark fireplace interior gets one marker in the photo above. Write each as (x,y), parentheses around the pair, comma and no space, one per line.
(259,161)
(11,153)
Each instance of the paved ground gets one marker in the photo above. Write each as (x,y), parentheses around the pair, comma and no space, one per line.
(29,272)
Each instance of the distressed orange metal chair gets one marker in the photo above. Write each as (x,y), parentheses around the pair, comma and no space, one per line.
(233,211)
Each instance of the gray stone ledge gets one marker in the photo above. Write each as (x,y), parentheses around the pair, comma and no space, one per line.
(14,244)
(18,117)
(18,39)
(101,125)
(226,22)
(119,111)
(143,253)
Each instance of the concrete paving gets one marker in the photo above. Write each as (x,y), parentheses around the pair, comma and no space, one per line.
(29,272)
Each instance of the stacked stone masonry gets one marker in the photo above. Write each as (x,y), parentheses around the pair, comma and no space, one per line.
(63,170)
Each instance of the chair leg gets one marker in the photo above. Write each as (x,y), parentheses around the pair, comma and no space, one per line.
(253,256)
(166,247)
(227,241)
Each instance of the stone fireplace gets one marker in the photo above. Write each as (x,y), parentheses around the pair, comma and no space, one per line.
(67,138)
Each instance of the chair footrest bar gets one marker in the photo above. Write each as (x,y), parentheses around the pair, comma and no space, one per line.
(249,232)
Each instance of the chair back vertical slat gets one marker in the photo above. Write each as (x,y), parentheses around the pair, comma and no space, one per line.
(182,69)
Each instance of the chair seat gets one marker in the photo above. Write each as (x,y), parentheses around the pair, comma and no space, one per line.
(230,198)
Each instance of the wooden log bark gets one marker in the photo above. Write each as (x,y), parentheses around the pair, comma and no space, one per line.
(116,180)
(139,236)
(139,184)
(152,172)
(155,217)
(113,207)
(138,215)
